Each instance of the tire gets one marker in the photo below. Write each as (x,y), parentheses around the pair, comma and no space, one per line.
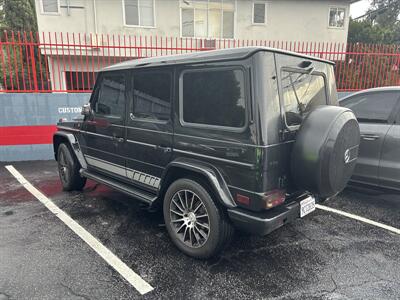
(68,169)
(190,201)
(325,151)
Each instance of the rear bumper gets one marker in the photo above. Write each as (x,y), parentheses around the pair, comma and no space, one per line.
(262,223)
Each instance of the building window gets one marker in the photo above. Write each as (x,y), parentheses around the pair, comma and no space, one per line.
(337,17)
(139,13)
(208,18)
(50,6)
(80,81)
(259,13)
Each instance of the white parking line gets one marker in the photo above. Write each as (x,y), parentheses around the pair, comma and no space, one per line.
(134,279)
(358,218)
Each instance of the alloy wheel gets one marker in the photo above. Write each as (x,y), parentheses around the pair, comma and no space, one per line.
(189,218)
(63,167)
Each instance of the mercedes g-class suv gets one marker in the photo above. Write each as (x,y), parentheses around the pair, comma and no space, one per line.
(247,138)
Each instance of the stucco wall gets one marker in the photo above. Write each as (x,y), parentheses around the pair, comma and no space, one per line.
(287,20)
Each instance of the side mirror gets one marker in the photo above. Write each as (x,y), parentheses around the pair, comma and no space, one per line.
(86,110)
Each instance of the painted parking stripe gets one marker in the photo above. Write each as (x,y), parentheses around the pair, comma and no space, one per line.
(358,218)
(134,279)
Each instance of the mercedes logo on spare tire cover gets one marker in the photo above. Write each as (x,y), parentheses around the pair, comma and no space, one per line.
(347,156)
(321,157)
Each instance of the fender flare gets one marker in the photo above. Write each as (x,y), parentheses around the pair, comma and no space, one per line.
(211,173)
(73,142)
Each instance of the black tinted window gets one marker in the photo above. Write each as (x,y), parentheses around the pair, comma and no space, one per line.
(152,95)
(214,97)
(301,92)
(375,107)
(111,95)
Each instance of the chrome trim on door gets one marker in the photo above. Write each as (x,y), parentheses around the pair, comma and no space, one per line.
(99,135)
(143,144)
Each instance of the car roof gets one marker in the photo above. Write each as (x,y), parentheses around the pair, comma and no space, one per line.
(373,90)
(204,56)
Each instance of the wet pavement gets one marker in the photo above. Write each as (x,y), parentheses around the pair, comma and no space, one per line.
(323,256)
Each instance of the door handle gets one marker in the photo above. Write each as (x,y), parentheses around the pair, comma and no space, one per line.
(165,149)
(118,139)
(369,137)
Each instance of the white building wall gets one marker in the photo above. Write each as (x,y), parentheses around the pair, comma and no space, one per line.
(287,20)
(292,20)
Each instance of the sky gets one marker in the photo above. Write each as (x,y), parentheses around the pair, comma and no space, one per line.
(359,8)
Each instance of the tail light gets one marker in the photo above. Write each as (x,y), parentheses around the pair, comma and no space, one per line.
(242,199)
(274,198)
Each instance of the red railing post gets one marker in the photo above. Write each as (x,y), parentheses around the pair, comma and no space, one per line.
(34,73)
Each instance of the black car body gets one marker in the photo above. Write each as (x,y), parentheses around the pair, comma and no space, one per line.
(378,113)
(228,120)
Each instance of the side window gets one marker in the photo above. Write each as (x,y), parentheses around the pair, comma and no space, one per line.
(300,93)
(213,97)
(111,96)
(152,95)
(376,107)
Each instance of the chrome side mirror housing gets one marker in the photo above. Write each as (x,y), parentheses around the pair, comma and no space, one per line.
(86,110)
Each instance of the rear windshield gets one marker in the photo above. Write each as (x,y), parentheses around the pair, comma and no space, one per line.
(301,91)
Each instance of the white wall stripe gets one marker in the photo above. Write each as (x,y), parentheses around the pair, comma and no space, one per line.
(134,279)
(358,218)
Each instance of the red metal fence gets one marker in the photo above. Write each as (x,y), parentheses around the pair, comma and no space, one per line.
(68,62)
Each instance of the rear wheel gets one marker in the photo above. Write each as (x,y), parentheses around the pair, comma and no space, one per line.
(68,169)
(195,224)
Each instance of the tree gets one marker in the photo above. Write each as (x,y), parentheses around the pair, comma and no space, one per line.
(367,32)
(380,25)
(384,13)
(19,58)
(18,15)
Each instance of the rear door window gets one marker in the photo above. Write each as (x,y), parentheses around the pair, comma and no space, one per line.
(213,98)
(375,107)
(301,91)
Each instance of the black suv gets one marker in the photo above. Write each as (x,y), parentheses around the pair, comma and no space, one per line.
(245,138)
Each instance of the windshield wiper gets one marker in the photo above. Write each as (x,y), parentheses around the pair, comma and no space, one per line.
(299,104)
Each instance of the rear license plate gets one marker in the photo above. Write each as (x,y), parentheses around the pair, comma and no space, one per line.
(307,206)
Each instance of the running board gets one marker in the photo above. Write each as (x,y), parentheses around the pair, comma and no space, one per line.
(122,187)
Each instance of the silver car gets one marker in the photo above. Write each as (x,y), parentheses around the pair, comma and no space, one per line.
(378,112)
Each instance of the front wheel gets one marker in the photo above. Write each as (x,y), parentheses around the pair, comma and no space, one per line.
(68,169)
(195,224)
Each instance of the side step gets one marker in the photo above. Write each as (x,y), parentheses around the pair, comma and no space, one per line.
(122,187)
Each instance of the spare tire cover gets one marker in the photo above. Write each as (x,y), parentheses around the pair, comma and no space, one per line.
(325,151)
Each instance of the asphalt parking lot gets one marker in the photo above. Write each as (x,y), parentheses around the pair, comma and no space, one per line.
(323,256)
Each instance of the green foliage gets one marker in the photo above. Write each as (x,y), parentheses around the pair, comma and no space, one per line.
(380,26)
(366,31)
(18,15)
(19,62)
(384,13)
